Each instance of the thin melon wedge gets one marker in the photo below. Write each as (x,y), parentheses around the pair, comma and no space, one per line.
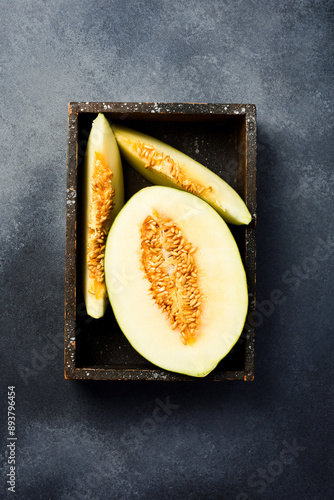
(103,197)
(162,164)
(175,280)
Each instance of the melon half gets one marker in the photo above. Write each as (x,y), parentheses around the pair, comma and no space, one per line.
(175,280)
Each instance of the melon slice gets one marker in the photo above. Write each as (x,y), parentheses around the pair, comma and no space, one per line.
(103,197)
(162,164)
(175,280)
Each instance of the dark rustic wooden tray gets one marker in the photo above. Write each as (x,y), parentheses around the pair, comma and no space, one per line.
(222,137)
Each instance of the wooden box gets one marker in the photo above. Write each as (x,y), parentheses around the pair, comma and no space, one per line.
(222,137)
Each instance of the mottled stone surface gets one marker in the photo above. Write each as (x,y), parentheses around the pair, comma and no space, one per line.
(267,439)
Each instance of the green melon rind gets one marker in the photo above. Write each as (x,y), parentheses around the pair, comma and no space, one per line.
(101,139)
(140,319)
(222,198)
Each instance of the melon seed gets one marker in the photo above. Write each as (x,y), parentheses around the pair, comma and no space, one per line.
(99,211)
(172,273)
(167,166)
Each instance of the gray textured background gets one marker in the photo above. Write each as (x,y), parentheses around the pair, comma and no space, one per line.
(220,442)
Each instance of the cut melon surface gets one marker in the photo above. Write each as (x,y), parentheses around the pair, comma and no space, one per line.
(103,197)
(162,164)
(170,257)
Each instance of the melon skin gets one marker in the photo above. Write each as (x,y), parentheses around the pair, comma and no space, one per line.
(102,141)
(222,197)
(221,277)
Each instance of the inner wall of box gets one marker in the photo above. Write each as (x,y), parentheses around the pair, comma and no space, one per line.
(215,141)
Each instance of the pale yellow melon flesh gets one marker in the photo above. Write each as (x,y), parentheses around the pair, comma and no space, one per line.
(102,174)
(221,279)
(162,164)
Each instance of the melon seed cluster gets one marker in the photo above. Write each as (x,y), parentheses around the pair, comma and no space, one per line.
(99,212)
(169,264)
(167,166)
